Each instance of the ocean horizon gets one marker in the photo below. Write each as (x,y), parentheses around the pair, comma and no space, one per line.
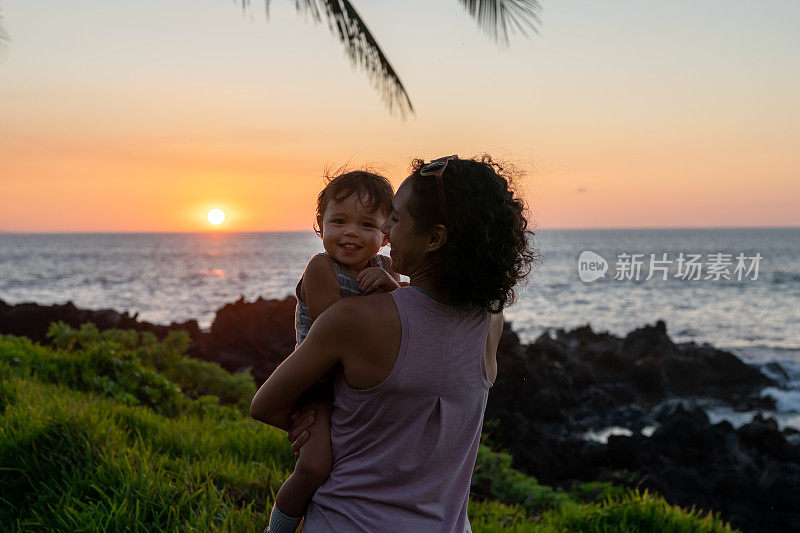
(221,231)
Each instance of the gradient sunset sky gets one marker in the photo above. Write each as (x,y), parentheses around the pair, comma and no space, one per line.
(142,116)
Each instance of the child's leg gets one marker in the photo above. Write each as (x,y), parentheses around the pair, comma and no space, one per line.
(313,465)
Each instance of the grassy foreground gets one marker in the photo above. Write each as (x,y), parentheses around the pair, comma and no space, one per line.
(116,431)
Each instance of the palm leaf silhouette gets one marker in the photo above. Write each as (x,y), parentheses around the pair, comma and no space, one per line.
(496,17)
(361,47)
(3,34)
(499,17)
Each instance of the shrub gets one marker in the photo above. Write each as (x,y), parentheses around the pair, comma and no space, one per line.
(494,479)
(100,367)
(196,378)
(634,511)
(201,378)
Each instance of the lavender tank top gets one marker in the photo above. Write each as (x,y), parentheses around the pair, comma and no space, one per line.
(404,451)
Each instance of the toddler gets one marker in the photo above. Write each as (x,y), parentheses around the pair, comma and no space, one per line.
(350,211)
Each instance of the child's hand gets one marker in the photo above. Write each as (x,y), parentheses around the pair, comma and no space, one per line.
(298,433)
(375,278)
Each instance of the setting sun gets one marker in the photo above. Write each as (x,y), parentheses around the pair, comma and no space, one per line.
(216,216)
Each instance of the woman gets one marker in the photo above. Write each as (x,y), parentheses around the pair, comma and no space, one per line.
(415,364)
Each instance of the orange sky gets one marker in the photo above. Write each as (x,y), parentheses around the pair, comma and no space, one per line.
(616,117)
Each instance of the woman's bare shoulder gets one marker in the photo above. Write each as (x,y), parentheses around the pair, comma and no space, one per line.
(372,338)
(367,322)
(372,310)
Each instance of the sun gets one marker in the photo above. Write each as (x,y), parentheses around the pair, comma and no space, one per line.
(216,217)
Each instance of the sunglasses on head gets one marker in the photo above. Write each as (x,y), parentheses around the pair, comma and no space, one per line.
(436,168)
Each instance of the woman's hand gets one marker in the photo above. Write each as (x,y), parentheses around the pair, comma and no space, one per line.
(376,278)
(298,432)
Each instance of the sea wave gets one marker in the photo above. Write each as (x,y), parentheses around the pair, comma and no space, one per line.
(786,401)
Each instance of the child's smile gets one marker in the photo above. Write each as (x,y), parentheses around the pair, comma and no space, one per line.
(351,233)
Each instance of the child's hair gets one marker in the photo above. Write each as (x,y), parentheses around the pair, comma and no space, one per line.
(373,190)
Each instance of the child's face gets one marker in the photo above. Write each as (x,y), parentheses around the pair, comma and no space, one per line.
(350,233)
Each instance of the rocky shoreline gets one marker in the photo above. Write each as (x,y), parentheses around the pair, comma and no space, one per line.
(550,393)
(555,389)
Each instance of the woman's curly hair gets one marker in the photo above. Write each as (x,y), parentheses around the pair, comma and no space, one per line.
(489,247)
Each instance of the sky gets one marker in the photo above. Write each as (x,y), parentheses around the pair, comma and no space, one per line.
(142,116)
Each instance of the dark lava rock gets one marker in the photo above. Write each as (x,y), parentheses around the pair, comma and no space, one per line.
(649,341)
(704,370)
(644,367)
(32,320)
(250,336)
(557,387)
(751,475)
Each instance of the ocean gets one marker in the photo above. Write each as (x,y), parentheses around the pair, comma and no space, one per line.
(738,289)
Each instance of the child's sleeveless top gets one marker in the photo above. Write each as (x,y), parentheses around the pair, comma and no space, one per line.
(348,285)
(404,451)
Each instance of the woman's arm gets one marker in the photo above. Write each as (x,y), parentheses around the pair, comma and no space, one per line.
(492,340)
(322,350)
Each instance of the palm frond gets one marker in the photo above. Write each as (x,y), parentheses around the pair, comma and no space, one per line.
(3,35)
(361,47)
(499,17)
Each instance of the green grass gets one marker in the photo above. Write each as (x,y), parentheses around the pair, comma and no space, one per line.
(119,432)
(633,511)
(72,461)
